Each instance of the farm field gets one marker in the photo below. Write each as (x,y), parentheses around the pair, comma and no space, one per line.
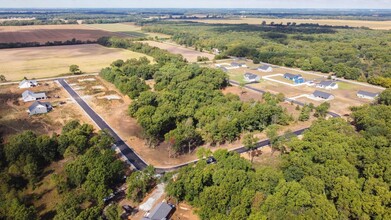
(40,62)
(45,33)
(127,30)
(190,54)
(377,25)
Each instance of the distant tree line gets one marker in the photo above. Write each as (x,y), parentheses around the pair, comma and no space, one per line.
(49,43)
(36,22)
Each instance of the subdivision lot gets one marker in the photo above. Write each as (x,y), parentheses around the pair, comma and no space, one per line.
(45,33)
(345,95)
(15,119)
(190,54)
(127,30)
(39,62)
(379,25)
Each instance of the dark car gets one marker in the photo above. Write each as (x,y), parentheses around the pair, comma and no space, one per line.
(127,208)
(210,160)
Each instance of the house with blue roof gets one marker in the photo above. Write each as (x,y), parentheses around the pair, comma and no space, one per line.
(297,79)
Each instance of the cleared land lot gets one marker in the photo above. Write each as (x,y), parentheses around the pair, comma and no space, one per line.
(39,62)
(345,95)
(190,54)
(45,33)
(379,25)
(127,30)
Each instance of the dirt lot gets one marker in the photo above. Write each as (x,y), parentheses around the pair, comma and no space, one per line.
(379,25)
(190,54)
(15,119)
(45,33)
(39,62)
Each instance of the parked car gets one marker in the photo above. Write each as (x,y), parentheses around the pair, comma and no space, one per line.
(210,160)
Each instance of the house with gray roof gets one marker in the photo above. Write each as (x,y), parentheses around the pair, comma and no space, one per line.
(29,96)
(40,108)
(296,78)
(250,77)
(265,68)
(367,95)
(327,85)
(26,83)
(161,212)
(237,65)
(322,95)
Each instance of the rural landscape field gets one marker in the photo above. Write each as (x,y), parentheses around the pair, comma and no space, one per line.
(42,62)
(135,110)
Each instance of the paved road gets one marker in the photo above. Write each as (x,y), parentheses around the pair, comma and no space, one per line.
(127,151)
(133,158)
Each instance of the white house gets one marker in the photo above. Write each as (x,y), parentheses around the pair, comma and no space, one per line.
(322,95)
(235,65)
(265,68)
(40,108)
(327,85)
(27,84)
(29,96)
(250,77)
(367,95)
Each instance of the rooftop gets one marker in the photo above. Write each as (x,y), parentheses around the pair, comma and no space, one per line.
(160,212)
(250,75)
(321,94)
(327,83)
(291,75)
(38,103)
(369,94)
(264,67)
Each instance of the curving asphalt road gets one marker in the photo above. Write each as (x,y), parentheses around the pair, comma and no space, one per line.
(130,154)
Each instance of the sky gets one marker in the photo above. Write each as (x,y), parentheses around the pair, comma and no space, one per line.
(334,4)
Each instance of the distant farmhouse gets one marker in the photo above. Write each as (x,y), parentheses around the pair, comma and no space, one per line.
(297,79)
(250,77)
(265,68)
(29,96)
(322,95)
(27,84)
(162,212)
(327,85)
(40,108)
(235,65)
(367,95)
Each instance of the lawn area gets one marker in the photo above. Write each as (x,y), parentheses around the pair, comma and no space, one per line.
(127,29)
(41,62)
(347,86)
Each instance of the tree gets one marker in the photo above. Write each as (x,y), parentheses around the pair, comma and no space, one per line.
(74,69)
(321,110)
(250,143)
(385,97)
(2,78)
(272,135)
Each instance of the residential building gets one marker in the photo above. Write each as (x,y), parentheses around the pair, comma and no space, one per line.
(161,212)
(265,68)
(327,85)
(367,95)
(322,95)
(40,108)
(29,96)
(28,84)
(250,77)
(296,78)
(238,65)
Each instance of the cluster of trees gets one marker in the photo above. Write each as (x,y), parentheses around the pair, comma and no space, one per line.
(92,169)
(49,43)
(36,22)
(187,109)
(336,171)
(357,54)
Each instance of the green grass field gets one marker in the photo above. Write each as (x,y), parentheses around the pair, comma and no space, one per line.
(42,62)
(127,29)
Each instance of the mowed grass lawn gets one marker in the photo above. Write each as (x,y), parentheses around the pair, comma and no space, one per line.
(41,62)
(127,29)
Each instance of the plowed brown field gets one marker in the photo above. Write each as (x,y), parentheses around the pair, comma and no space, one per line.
(45,33)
